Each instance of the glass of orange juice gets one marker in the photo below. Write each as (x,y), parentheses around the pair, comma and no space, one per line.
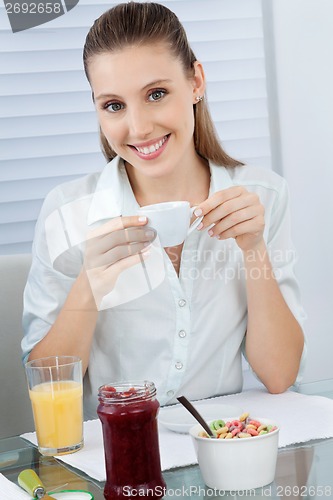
(55,390)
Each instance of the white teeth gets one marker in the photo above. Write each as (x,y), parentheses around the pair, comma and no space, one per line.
(151,149)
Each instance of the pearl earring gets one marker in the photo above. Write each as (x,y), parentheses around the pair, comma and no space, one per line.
(199,98)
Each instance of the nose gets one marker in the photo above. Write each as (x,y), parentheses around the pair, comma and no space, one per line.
(140,122)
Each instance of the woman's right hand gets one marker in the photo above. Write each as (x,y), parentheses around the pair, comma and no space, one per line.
(113,247)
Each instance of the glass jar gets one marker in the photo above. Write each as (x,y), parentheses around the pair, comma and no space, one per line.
(128,412)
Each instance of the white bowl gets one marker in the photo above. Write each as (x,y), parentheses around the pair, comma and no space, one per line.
(177,419)
(237,464)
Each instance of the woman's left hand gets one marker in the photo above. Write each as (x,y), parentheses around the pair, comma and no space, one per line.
(235,213)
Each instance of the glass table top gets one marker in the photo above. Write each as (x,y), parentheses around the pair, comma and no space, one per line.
(303,471)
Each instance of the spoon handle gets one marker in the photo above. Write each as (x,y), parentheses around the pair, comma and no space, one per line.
(185,402)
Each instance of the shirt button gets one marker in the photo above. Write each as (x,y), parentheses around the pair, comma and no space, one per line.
(179,365)
(182,334)
(182,303)
(170,393)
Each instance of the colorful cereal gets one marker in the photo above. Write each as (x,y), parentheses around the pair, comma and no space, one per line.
(244,427)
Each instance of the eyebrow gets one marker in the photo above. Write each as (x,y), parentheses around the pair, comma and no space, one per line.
(151,84)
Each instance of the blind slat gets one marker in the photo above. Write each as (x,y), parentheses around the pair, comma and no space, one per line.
(249,147)
(29,105)
(35,147)
(47,82)
(35,168)
(71,59)
(50,103)
(218,90)
(16,232)
(30,189)
(72,81)
(242,129)
(19,211)
(47,125)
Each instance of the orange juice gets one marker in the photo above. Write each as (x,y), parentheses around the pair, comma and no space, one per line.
(58,414)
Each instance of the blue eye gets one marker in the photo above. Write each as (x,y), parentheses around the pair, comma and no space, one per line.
(156,95)
(114,107)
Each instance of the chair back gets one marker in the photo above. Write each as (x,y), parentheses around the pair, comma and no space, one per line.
(15,408)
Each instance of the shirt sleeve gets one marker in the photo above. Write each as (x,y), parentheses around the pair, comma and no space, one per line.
(283,258)
(46,288)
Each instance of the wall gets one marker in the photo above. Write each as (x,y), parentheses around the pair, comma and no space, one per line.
(303,39)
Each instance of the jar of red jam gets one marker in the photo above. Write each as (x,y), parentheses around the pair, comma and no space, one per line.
(128,412)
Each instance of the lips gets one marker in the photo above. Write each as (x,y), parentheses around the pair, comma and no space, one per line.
(151,149)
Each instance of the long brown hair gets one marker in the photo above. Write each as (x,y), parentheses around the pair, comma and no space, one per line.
(137,23)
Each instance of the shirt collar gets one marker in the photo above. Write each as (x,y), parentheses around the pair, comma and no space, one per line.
(219,178)
(113,195)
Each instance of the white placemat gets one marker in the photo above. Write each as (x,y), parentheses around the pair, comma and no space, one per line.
(301,418)
(10,491)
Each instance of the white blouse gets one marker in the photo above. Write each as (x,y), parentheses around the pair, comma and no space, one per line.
(185,332)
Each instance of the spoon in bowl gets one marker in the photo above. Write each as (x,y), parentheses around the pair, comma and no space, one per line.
(194,412)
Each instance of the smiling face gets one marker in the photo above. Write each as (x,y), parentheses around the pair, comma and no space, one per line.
(144,102)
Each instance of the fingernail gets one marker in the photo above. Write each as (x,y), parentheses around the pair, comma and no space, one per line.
(146,243)
(149,233)
(142,219)
(210,232)
(200,226)
(198,212)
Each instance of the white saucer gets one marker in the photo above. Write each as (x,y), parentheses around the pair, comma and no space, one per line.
(178,419)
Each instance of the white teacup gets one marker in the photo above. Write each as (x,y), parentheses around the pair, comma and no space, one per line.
(171,220)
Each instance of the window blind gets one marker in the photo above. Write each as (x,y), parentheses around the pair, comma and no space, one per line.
(48,127)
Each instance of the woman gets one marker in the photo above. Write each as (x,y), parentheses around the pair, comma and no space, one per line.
(229,287)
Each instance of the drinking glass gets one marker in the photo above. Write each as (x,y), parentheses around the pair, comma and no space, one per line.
(55,390)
